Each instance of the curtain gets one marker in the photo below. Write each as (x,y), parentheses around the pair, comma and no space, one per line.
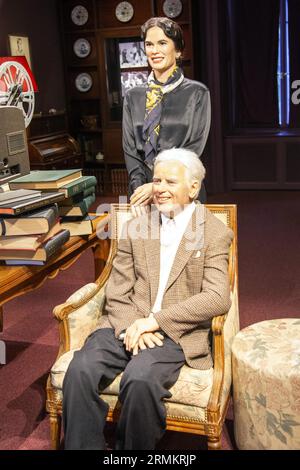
(255,48)
(294,40)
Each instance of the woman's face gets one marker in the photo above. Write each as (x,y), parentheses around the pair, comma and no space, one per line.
(161,53)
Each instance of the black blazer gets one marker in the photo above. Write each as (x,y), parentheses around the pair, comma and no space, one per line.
(185,123)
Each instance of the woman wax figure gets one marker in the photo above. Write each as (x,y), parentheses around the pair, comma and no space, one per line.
(169,111)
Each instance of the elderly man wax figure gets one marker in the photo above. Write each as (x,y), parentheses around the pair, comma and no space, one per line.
(169,278)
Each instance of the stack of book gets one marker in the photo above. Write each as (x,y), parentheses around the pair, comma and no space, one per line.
(78,194)
(30,238)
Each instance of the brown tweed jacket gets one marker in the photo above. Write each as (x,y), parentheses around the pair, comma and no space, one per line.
(196,291)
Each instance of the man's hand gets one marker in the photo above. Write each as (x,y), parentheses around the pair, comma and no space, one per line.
(148,340)
(140,326)
(142,195)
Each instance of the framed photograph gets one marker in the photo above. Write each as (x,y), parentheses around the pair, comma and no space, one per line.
(132,54)
(19,46)
(132,79)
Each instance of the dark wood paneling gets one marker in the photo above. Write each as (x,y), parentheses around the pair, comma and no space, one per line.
(293,162)
(259,162)
(188,50)
(254,162)
(112,146)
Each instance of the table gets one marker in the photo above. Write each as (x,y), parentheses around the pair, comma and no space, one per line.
(266,385)
(17,280)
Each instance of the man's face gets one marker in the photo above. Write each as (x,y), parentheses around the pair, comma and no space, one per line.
(171,187)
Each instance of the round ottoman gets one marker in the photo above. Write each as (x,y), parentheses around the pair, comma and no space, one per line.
(266,385)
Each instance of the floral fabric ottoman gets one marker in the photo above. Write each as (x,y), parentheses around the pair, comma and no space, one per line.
(266,385)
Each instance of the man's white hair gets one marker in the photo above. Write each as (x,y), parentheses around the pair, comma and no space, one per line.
(191,161)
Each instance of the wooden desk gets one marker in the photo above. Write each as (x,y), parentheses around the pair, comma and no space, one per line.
(17,280)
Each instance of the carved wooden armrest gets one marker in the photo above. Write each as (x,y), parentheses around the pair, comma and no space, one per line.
(218,357)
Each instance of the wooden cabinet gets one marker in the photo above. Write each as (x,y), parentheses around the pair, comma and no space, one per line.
(99,52)
(50,146)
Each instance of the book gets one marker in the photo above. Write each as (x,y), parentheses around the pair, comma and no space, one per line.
(45,199)
(77,186)
(28,242)
(73,200)
(79,209)
(4,187)
(83,226)
(31,223)
(23,262)
(45,179)
(18,195)
(43,253)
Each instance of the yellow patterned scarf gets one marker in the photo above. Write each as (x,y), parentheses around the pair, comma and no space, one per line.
(154,98)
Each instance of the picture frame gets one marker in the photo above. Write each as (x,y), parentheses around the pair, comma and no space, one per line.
(132,54)
(131,79)
(19,46)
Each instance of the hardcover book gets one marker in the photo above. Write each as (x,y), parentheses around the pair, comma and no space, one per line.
(45,199)
(28,242)
(79,185)
(18,195)
(43,253)
(71,201)
(83,226)
(31,223)
(79,209)
(45,179)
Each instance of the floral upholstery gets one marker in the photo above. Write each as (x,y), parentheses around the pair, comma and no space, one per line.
(266,385)
(193,386)
(85,319)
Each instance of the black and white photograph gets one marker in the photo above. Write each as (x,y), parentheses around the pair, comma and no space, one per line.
(19,46)
(132,54)
(132,79)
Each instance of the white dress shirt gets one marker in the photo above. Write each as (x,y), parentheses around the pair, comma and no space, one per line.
(171,233)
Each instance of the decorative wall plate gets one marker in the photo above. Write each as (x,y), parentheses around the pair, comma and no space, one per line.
(79,15)
(124,11)
(172,8)
(82,48)
(83,82)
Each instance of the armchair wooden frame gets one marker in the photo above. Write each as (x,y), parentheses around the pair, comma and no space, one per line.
(216,409)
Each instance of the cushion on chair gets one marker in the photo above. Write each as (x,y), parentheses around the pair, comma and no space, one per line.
(192,388)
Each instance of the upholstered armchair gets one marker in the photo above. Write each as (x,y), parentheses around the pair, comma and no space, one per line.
(200,398)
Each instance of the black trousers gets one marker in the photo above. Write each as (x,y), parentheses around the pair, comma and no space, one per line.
(145,382)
